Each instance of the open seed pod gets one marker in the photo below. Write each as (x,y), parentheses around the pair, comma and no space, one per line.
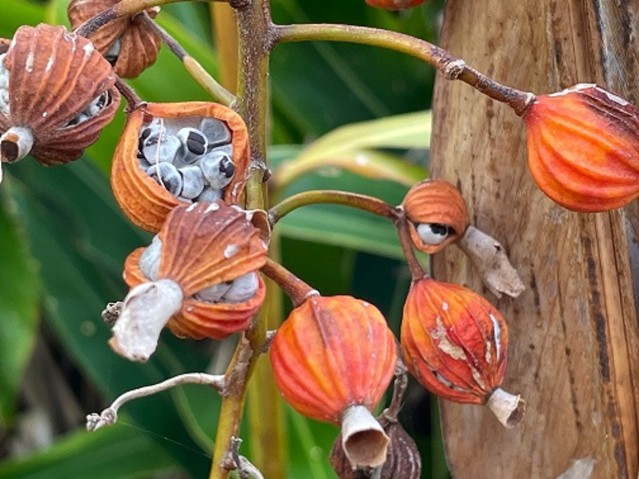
(202,267)
(437,214)
(178,153)
(56,95)
(455,344)
(332,360)
(130,45)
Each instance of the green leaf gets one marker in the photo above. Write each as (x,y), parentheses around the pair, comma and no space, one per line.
(19,304)
(119,451)
(350,147)
(14,13)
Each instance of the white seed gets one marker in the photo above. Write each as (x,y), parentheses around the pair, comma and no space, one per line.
(168,176)
(218,169)
(150,259)
(242,289)
(76,120)
(215,131)
(209,195)
(193,182)
(158,149)
(97,104)
(112,55)
(433,233)
(193,144)
(213,294)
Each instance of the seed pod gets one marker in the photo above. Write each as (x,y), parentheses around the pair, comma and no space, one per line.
(144,201)
(199,246)
(583,148)
(327,372)
(402,459)
(131,45)
(455,344)
(437,215)
(394,4)
(60,95)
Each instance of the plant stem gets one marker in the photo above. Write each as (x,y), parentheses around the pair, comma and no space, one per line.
(354,200)
(452,68)
(199,74)
(129,94)
(295,288)
(416,270)
(255,33)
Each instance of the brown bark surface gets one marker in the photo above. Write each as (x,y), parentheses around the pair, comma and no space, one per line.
(574,349)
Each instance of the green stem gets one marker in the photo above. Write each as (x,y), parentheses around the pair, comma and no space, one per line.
(255,33)
(452,68)
(199,74)
(354,200)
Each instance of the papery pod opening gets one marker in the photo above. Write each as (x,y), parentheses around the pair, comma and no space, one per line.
(129,44)
(332,353)
(583,148)
(455,343)
(142,198)
(437,214)
(402,459)
(202,319)
(56,95)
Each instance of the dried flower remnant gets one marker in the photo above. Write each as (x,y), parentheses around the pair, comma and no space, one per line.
(56,95)
(402,459)
(187,281)
(332,360)
(455,344)
(179,153)
(394,4)
(437,215)
(583,148)
(128,44)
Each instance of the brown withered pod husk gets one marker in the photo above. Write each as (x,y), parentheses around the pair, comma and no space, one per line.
(402,457)
(199,278)
(56,94)
(172,154)
(437,215)
(128,43)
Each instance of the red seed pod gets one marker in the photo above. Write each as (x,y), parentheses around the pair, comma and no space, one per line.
(197,258)
(394,4)
(455,344)
(583,148)
(56,95)
(128,43)
(332,360)
(437,215)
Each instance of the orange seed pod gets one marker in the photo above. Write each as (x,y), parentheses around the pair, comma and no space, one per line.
(455,344)
(583,148)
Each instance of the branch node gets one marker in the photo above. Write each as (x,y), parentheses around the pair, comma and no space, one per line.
(453,69)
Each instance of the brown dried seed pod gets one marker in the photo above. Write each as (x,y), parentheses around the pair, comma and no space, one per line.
(202,245)
(142,199)
(435,204)
(60,95)
(138,45)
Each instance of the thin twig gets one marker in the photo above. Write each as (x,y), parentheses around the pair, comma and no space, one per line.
(416,270)
(109,416)
(399,389)
(295,288)
(244,467)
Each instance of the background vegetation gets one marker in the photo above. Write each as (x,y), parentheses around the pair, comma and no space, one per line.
(63,242)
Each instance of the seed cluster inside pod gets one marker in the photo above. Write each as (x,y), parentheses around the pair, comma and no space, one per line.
(190,156)
(4,87)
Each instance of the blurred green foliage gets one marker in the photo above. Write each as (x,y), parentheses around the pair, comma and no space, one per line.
(63,240)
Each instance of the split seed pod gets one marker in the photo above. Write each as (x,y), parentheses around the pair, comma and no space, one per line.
(394,4)
(402,459)
(332,360)
(202,245)
(128,43)
(583,148)
(437,215)
(455,344)
(143,200)
(56,95)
